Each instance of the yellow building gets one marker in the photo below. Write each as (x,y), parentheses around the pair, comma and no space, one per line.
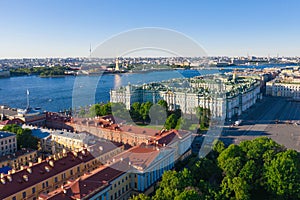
(70,140)
(50,174)
(20,158)
(134,171)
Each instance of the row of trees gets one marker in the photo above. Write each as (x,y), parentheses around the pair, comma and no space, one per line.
(257,169)
(141,113)
(25,139)
(149,113)
(42,71)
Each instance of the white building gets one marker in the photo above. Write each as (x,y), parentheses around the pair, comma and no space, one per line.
(282,89)
(223,96)
(287,84)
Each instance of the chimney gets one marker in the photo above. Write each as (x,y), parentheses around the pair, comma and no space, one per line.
(51,163)
(64,153)
(9,177)
(25,177)
(75,153)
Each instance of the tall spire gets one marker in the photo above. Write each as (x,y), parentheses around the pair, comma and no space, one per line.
(90,50)
(117,65)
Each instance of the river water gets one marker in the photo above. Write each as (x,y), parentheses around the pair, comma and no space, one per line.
(55,94)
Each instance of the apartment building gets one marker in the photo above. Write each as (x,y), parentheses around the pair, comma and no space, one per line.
(8,143)
(53,172)
(19,158)
(134,171)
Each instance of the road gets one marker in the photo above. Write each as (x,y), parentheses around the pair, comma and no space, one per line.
(261,121)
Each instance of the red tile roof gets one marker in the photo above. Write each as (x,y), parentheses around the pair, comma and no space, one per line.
(16,154)
(86,186)
(39,173)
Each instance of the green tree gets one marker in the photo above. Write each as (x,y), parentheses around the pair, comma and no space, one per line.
(203,115)
(135,112)
(283,175)
(171,122)
(144,111)
(231,160)
(188,194)
(235,188)
(218,146)
(140,197)
(164,104)
(95,110)
(205,169)
(119,110)
(24,136)
(173,183)
(158,115)
(256,148)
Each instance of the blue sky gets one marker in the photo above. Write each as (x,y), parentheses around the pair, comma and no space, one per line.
(63,28)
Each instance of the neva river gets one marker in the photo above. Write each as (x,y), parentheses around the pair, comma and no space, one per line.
(56,94)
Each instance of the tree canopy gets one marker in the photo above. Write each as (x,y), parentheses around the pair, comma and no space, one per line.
(25,139)
(256,169)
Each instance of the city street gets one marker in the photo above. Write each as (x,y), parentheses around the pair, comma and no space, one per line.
(274,117)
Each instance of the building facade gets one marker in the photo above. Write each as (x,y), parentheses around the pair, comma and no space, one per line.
(8,143)
(53,172)
(283,89)
(224,97)
(134,171)
(18,159)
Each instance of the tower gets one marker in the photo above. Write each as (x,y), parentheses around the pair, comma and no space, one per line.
(90,50)
(234,75)
(117,65)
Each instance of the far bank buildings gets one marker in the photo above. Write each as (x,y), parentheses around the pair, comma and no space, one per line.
(226,96)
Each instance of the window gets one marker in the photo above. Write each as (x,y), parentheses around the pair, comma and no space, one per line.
(43,184)
(33,190)
(55,180)
(14,198)
(24,195)
(71,172)
(47,184)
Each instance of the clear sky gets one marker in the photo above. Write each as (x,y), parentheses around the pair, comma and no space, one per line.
(65,28)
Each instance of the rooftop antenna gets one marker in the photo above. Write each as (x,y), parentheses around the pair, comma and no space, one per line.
(27,92)
(90,50)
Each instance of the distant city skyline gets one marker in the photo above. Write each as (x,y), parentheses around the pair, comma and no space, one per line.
(35,29)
